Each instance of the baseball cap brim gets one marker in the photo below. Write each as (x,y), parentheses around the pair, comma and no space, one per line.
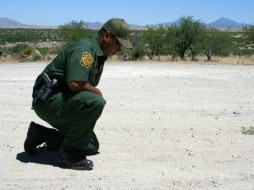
(125,43)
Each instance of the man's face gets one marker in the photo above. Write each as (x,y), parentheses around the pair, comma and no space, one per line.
(110,45)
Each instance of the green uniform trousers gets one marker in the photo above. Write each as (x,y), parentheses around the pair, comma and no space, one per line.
(74,114)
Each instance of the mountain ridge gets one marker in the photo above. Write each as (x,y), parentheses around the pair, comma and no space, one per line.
(221,23)
(10,23)
(225,23)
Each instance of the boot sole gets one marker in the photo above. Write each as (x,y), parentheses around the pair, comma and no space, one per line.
(72,165)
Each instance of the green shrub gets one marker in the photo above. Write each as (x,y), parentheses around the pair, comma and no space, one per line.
(19,48)
(249,131)
(73,31)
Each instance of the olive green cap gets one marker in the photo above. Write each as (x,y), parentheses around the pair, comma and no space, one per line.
(120,29)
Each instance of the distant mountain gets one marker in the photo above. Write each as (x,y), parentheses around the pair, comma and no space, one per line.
(222,23)
(137,27)
(164,24)
(98,25)
(9,23)
(225,23)
(167,23)
(93,25)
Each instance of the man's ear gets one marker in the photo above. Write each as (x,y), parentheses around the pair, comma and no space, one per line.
(107,35)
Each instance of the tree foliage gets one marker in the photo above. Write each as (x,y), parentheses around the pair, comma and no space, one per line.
(249,33)
(139,49)
(184,36)
(215,42)
(154,41)
(73,31)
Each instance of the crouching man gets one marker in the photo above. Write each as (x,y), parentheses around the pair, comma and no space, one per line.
(65,96)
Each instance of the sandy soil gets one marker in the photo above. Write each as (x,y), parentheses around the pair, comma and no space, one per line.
(165,126)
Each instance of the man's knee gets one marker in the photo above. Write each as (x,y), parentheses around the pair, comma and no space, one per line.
(99,103)
(92,100)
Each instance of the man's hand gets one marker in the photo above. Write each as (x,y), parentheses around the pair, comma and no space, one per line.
(97,91)
(78,86)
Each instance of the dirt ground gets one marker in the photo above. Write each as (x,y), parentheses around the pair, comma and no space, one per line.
(165,126)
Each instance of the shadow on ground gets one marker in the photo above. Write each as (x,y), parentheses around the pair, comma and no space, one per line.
(42,157)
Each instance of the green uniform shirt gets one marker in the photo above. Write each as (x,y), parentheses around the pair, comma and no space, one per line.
(83,61)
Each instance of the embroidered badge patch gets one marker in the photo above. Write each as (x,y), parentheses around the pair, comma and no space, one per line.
(86,59)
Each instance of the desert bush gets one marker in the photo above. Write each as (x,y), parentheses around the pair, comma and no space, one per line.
(25,53)
(36,55)
(73,31)
(215,42)
(44,51)
(249,131)
(30,54)
(243,52)
(184,36)
(139,49)
(187,38)
(19,48)
(137,53)
(28,35)
(249,33)
(153,42)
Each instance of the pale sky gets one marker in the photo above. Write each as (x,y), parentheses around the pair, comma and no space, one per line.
(139,12)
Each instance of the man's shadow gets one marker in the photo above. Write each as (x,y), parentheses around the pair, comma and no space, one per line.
(42,157)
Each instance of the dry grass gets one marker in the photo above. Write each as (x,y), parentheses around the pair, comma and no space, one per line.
(235,60)
(244,60)
(8,59)
(241,60)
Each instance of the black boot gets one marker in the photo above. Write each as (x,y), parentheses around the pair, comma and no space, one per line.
(54,140)
(38,134)
(74,159)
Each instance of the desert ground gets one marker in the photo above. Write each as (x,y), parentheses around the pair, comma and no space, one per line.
(165,126)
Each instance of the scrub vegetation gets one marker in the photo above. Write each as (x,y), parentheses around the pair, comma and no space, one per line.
(249,131)
(187,40)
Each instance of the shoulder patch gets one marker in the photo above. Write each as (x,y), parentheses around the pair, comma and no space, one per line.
(86,59)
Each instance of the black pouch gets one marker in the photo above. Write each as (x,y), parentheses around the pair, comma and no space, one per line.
(44,88)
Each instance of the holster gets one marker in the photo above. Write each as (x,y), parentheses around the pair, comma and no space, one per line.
(44,87)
